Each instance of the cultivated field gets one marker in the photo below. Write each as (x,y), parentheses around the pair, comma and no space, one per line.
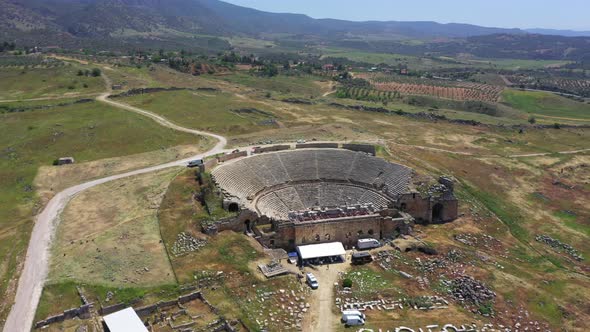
(547,105)
(474,91)
(436,88)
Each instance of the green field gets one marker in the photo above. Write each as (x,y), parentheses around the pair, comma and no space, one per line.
(33,138)
(516,64)
(16,84)
(546,104)
(215,111)
(285,85)
(415,63)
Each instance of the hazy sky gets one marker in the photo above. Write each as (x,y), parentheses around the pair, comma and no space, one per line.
(553,14)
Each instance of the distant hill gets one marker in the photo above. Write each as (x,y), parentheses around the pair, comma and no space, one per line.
(565,33)
(197,24)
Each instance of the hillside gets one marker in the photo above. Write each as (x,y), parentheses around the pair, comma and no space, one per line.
(197,24)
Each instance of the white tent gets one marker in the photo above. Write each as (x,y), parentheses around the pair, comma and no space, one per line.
(321,250)
(125,320)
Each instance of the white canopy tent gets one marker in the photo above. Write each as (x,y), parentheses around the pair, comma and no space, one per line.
(321,250)
(125,320)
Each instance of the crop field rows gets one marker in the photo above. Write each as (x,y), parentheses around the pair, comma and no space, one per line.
(30,61)
(478,92)
(454,90)
(574,86)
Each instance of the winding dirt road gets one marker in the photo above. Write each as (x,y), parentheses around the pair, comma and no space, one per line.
(36,265)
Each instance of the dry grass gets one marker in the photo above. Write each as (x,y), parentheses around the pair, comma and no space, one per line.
(51,180)
(109,234)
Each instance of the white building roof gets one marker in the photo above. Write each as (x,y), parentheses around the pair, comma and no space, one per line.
(321,250)
(125,320)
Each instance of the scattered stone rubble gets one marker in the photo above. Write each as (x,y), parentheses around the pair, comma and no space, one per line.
(478,240)
(186,243)
(468,291)
(286,313)
(419,303)
(558,245)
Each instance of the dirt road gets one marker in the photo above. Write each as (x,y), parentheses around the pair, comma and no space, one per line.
(322,318)
(36,264)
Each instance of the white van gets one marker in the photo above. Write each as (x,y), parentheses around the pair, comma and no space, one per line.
(347,313)
(353,320)
(311,280)
(363,244)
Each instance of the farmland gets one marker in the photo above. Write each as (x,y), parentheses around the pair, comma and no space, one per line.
(547,104)
(563,85)
(436,88)
(474,91)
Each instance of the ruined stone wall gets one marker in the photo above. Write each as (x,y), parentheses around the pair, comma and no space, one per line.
(231,156)
(416,206)
(450,210)
(271,148)
(370,149)
(238,224)
(421,208)
(317,146)
(209,165)
(347,231)
(83,312)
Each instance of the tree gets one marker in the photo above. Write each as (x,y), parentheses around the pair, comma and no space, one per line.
(532,120)
(96,72)
(347,283)
(80,73)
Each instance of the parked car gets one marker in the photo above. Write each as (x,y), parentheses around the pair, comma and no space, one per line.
(346,313)
(293,257)
(364,244)
(195,163)
(359,258)
(311,280)
(353,320)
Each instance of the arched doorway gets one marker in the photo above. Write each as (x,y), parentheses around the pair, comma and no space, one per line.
(248,226)
(437,212)
(403,207)
(233,207)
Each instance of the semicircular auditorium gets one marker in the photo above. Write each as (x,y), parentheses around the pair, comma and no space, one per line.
(314,195)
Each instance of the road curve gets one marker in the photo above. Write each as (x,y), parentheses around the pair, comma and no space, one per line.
(36,265)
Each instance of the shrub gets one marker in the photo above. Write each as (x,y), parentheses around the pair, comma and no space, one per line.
(96,72)
(56,162)
(532,120)
(347,283)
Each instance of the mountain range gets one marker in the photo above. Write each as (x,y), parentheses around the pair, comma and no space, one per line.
(115,24)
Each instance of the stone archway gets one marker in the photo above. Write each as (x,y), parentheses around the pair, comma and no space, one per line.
(437,212)
(233,207)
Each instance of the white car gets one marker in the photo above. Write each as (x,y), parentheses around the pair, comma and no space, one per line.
(311,280)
